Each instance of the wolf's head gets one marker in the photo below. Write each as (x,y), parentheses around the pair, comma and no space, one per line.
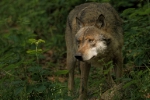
(91,40)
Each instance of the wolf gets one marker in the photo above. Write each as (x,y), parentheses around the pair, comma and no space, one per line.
(93,33)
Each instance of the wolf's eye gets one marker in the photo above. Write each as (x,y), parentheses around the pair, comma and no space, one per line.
(78,41)
(91,40)
(107,41)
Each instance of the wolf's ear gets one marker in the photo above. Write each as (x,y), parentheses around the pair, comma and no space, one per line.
(79,22)
(100,21)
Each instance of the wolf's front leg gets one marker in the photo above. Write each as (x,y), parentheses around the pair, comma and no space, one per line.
(118,66)
(71,66)
(85,68)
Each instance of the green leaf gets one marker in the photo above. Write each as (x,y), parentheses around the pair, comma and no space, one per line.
(18,90)
(128,11)
(62,72)
(31,51)
(129,83)
(32,41)
(40,88)
(34,51)
(41,41)
(39,50)
(35,69)
(30,89)
(146,12)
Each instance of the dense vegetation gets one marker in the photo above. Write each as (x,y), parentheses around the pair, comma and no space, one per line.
(33,53)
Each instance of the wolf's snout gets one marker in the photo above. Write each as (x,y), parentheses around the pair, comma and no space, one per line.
(79,56)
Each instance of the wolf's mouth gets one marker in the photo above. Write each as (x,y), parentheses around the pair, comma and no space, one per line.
(93,57)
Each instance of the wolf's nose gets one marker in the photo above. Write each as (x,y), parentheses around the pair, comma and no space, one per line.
(79,56)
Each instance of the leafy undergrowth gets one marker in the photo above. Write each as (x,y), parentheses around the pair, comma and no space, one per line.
(33,53)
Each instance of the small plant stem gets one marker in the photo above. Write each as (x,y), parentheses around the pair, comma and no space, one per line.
(37,58)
